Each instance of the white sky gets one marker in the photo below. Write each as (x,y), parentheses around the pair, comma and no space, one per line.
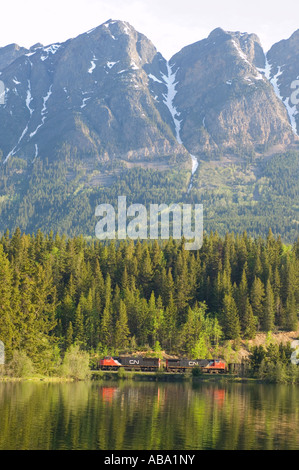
(169,24)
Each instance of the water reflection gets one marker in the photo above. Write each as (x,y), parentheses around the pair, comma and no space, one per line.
(129,415)
(108,393)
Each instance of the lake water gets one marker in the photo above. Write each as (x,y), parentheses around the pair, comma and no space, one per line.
(148,416)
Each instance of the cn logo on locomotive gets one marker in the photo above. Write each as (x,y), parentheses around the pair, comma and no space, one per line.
(133,361)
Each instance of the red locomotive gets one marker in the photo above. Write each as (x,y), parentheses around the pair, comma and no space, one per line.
(216,365)
(109,363)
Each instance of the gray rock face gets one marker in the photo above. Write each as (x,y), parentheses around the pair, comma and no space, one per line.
(283,69)
(227,105)
(94,95)
(10,53)
(109,94)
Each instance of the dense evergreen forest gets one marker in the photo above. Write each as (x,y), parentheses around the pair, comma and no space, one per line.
(111,298)
(62,195)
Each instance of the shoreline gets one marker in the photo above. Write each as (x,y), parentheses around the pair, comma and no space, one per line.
(98,376)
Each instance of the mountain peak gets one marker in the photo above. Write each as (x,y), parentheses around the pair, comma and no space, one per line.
(218,33)
(121,26)
(10,53)
(112,75)
(36,46)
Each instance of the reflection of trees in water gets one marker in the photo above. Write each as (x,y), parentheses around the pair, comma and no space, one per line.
(2,353)
(132,415)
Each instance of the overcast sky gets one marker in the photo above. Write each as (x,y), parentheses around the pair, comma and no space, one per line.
(170,24)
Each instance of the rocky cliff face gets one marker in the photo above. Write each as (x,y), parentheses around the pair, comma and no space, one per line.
(226,104)
(108,94)
(283,72)
(10,53)
(90,96)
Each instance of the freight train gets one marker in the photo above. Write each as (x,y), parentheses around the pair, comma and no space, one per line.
(151,364)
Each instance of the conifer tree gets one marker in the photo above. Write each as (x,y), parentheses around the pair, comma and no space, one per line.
(69,338)
(146,273)
(257,297)
(250,321)
(279,314)
(170,320)
(268,316)
(79,323)
(291,313)
(122,332)
(242,299)
(124,279)
(106,328)
(230,318)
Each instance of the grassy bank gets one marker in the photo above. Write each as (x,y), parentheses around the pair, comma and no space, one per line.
(166,377)
(134,376)
(7,378)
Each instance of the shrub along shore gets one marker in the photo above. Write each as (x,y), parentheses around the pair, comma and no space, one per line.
(269,363)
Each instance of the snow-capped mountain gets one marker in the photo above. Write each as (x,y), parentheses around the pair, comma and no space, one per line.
(90,118)
(227,104)
(108,94)
(97,95)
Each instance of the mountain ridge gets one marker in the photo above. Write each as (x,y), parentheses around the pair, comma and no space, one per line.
(244,55)
(105,107)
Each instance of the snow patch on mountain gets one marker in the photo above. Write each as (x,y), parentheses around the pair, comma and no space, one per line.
(170,82)
(155,79)
(111,64)
(134,66)
(127,27)
(273,79)
(240,52)
(13,151)
(36,152)
(43,112)
(107,25)
(84,102)
(292,112)
(29,98)
(91,30)
(93,64)
(53,48)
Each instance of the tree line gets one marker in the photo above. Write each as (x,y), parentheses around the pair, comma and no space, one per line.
(62,194)
(57,292)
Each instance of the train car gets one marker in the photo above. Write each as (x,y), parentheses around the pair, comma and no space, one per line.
(130,363)
(140,363)
(181,365)
(206,365)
